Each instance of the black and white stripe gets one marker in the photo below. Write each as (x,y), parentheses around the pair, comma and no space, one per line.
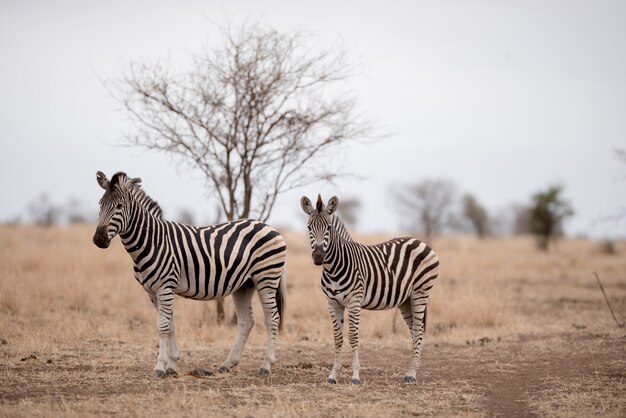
(395,274)
(234,258)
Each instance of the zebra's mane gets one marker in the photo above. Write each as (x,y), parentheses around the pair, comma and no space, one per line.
(147,202)
(340,228)
(137,192)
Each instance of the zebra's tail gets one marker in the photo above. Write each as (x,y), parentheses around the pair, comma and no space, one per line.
(281,293)
(425,312)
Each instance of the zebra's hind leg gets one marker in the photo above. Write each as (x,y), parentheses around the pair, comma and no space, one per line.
(336,314)
(407,314)
(268,289)
(242,300)
(414,313)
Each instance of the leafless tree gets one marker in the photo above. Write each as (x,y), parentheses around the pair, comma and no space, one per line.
(254,115)
(426,207)
(75,212)
(43,212)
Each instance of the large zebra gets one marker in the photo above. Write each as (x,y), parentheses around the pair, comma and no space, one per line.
(397,273)
(198,263)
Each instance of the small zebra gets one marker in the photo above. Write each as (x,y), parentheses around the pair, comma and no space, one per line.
(397,273)
(200,263)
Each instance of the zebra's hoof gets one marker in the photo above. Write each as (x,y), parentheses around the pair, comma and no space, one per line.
(171,373)
(355,381)
(199,372)
(331,381)
(159,373)
(224,370)
(409,379)
(263,371)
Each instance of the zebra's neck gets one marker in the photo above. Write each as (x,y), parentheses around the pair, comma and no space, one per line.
(339,238)
(142,199)
(144,230)
(340,229)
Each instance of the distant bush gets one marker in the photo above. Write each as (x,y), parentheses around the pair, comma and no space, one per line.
(476,215)
(547,213)
(608,247)
(44,212)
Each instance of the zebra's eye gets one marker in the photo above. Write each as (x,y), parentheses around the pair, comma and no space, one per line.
(119,206)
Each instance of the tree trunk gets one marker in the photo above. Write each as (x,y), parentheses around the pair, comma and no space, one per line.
(221,314)
(220,311)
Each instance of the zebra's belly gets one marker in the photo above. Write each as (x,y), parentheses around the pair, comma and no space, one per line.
(388,299)
(376,307)
(205,288)
(343,298)
(196,296)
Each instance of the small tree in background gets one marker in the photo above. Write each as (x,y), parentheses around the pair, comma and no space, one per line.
(547,213)
(426,207)
(476,215)
(43,212)
(75,212)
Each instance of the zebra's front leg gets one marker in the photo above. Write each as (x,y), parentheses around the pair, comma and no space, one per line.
(165,306)
(336,314)
(354,315)
(414,313)
(173,352)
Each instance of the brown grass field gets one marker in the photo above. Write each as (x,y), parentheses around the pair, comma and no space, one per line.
(512,332)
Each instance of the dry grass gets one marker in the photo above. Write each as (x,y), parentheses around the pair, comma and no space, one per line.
(498,304)
(584,396)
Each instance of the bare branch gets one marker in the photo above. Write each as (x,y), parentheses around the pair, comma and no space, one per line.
(426,206)
(607,301)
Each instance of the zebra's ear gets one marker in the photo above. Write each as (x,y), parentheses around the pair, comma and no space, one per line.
(134,182)
(102,180)
(307,207)
(331,207)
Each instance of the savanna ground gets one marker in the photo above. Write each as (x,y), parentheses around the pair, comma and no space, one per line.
(512,332)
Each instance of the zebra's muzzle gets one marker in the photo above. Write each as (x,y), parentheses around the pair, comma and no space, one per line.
(318,256)
(100,238)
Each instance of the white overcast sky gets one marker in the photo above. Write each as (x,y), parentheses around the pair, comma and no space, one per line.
(502,97)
